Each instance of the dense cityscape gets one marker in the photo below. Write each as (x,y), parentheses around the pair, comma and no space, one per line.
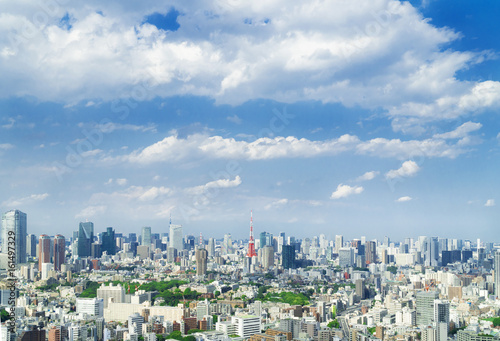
(264,170)
(102,286)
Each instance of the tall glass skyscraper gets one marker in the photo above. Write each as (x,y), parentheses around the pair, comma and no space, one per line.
(85,239)
(108,241)
(288,257)
(16,222)
(176,237)
(31,245)
(43,251)
(146,236)
(59,251)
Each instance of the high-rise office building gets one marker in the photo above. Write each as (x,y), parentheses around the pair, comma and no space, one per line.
(323,242)
(14,224)
(466,255)
(176,240)
(190,242)
(360,288)
(135,322)
(425,307)
(267,257)
(450,257)
(100,323)
(339,243)
(43,251)
(265,239)
(31,245)
(108,241)
(146,236)
(430,251)
(59,251)
(441,319)
(306,246)
(132,237)
(370,252)
(201,262)
(171,254)
(85,239)
(387,241)
(441,311)
(288,257)
(227,244)
(346,257)
(497,273)
(211,247)
(202,310)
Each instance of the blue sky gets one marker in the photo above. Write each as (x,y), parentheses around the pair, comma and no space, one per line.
(357,118)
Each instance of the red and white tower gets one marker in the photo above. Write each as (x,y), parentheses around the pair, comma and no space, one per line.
(251,244)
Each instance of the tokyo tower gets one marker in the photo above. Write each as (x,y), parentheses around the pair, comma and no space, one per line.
(251,244)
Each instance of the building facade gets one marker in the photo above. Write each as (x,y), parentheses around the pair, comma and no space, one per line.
(14,229)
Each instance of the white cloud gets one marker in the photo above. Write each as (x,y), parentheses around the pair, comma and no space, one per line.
(221,183)
(407,169)
(121,182)
(153,193)
(235,119)
(91,211)
(345,191)
(396,148)
(92,152)
(109,127)
(380,54)
(173,148)
(404,199)
(25,200)
(276,204)
(6,146)
(490,203)
(9,125)
(461,132)
(367,176)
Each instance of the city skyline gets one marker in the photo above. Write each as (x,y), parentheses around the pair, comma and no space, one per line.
(108,233)
(339,118)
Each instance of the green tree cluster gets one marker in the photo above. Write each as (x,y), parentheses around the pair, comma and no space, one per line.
(285,297)
(178,336)
(392,269)
(334,324)
(4,315)
(91,290)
